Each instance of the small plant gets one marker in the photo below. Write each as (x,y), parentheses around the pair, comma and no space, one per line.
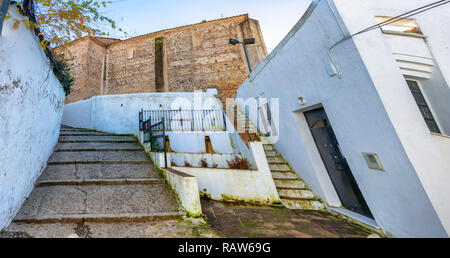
(203,163)
(62,72)
(205,195)
(154,145)
(238,163)
(187,164)
(214,165)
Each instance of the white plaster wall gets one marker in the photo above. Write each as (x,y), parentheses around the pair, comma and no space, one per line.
(31,104)
(297,67)
(239,185)
(120,114)
(194,142)
(428,153)
(186,188)
(78,115)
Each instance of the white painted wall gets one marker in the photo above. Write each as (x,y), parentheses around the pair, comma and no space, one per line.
(359,114)
(238,185)
(428,154)
(120,114)
(78,115)
(186,188)
(31,104)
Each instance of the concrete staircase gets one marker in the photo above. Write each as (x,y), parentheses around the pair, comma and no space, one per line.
(98,177)
(249,132)
(292,190)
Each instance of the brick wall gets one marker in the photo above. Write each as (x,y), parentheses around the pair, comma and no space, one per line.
(195,57)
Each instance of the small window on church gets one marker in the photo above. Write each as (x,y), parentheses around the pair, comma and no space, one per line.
(131,53)
(396,25)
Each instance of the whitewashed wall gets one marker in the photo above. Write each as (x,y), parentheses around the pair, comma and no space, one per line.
(120,114)
(238,185)
(370,111)
(428,154)
(31,104)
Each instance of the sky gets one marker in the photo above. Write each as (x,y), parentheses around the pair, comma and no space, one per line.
(276,17)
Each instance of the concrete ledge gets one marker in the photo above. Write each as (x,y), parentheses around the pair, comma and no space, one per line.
(95,135)
(86,141)
(186,188)
(137,181)
(99,150)
(99,162)
(126,217)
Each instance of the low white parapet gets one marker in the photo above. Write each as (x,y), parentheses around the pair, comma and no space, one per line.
(255,186)
(186,188)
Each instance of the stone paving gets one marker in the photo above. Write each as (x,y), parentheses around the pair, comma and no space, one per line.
(109,189)
(254,221)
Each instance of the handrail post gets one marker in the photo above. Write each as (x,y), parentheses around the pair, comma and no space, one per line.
(224,121)
(192,120)
(164,143)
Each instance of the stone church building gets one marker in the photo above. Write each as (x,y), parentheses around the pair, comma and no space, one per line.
(182,59)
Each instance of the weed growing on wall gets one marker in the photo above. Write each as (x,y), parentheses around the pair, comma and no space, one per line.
(62,72)
(204,163)
(238,163)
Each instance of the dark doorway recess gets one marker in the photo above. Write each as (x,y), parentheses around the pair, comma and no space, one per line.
(335,163)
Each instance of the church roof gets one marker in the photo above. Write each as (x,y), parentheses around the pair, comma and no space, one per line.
(105,41)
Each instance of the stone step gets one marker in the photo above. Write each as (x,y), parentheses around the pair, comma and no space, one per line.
(269,147)
(265,140)
(295,193)
(271,153)
(80,133)
(288,183)
(98,171)
(100,218)
(276,160)
(91,157)
(93,201)
(285,175)
(97,138)
(126,181)
(80,146)
(93,134)
(298,204)
(279,168)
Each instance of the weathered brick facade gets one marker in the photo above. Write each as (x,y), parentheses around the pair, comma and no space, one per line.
(177,60)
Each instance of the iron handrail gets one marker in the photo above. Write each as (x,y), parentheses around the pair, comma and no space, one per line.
(186,120)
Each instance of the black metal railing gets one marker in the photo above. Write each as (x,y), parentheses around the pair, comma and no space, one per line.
(158,141)
(185,120)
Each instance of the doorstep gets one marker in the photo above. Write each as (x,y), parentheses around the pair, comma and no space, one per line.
(358,217)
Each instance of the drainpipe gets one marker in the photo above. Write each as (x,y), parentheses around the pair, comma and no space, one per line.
(346,37)
(4,6)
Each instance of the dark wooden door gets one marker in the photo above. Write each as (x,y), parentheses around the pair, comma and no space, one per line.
(335,163)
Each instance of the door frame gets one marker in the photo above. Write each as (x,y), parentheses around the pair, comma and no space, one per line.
(317,161)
